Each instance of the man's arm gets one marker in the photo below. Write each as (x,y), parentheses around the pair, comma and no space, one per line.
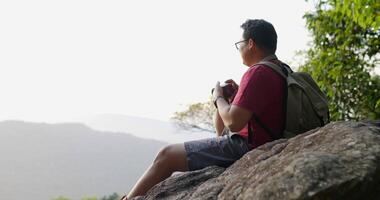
(234,117)
(218,124)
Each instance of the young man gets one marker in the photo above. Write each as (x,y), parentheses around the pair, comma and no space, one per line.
(261,93)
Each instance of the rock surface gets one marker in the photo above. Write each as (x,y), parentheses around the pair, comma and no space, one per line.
(338,161)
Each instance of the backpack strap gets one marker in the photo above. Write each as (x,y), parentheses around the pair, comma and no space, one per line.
(280,69)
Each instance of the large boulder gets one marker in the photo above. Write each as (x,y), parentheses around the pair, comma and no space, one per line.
(338,161)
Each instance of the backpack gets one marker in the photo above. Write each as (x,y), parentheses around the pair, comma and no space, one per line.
(305,105)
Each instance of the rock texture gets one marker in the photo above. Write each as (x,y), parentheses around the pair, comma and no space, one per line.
(338,161)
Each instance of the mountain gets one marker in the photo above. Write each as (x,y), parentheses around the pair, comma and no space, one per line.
(145,128)
(40,161)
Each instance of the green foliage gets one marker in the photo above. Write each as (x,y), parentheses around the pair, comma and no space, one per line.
(113,196)
(344,53)
(89,198)
(196,116)
(61,198)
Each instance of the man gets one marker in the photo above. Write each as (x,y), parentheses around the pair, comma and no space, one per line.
(261,93)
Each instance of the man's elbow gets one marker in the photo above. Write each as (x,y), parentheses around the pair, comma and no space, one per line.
(234,127)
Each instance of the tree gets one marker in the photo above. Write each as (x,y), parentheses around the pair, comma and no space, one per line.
(344,53)
(113,196)
(89,198)
(196,116)
(60,198)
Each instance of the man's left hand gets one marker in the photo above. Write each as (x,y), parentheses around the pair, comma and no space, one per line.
(218,91)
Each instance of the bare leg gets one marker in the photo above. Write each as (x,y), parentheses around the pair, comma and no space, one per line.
(170,159)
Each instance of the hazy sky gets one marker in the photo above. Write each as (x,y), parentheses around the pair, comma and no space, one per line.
(61,60)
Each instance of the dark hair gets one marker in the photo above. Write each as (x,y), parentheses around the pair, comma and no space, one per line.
(262,32)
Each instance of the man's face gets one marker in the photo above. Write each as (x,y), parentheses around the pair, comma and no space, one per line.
(248,51)
(243,47)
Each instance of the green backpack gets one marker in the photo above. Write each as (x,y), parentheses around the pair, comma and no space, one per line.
(306,106)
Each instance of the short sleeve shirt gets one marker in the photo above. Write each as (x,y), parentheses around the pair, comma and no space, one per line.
(262,91)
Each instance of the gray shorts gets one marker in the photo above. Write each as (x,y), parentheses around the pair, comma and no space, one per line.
(221,151)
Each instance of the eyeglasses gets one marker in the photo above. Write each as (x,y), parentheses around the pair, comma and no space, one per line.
(239,44)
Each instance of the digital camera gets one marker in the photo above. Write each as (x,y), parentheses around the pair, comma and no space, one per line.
(228,90)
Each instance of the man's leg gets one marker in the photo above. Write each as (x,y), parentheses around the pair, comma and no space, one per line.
(169,159)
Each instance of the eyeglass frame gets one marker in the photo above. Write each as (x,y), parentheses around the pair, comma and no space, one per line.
(236,43)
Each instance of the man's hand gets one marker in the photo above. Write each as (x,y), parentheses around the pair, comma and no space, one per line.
(218,91)
(233,117)
(230,81)
(235,86)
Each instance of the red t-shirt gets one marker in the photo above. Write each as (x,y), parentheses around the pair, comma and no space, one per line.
(261,91)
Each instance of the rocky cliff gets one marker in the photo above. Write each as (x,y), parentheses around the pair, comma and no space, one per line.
(338,161)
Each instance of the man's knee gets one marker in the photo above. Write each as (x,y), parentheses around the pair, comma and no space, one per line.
(164,154)
(171,156)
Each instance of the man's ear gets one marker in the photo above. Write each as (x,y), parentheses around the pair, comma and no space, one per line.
(251,44)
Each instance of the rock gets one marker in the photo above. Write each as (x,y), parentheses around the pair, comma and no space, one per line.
(182,185)
(338,161)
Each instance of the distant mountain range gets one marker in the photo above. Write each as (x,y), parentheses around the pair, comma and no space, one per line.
(145,128)
(40,161)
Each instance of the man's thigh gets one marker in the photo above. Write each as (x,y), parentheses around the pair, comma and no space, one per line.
(221,151)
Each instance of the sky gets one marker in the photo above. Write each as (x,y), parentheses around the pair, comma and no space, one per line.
(63,60)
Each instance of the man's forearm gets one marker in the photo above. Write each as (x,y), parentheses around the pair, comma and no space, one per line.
(218,123)
(224,109)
